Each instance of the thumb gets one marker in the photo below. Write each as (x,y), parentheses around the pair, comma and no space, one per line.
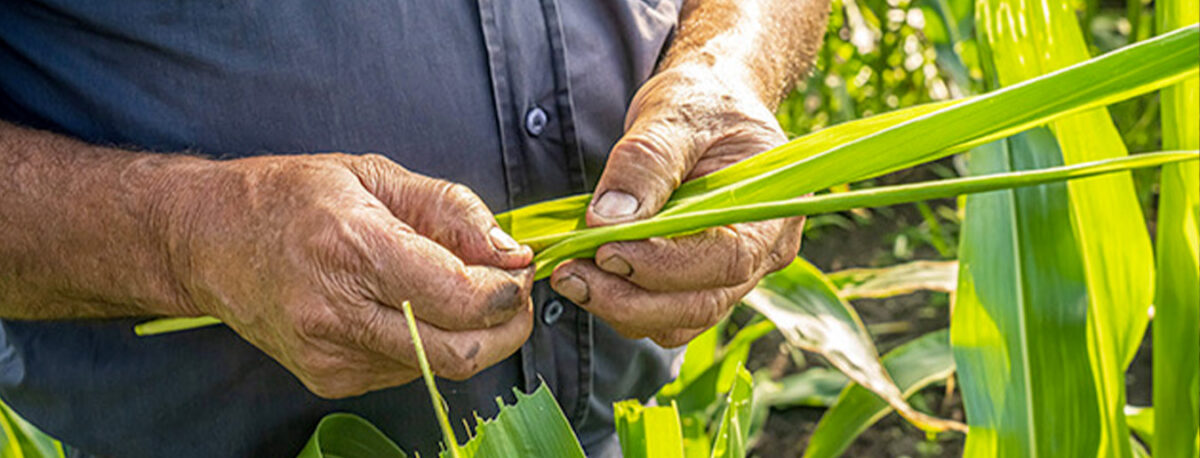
(643,169)
(445,212)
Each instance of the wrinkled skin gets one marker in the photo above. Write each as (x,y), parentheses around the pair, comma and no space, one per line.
(311,258)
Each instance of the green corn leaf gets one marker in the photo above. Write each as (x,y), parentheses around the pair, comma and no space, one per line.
(733,433)
(806,309)
(585,242)
(648,432)
(1176,339)
(343,435)
(896,280)
(913,366)
(815,387)
(540,224)
(533,426)
(657,432)
(1019,327)
(1104,213)
(20,439)
(699,394)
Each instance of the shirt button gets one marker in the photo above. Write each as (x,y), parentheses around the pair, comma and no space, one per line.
(552,311)
(535,121)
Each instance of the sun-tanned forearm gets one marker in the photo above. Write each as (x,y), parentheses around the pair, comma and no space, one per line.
(768,44)
(78,235)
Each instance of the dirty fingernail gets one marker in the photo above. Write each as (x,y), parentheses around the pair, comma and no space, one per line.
(574,288)
(502,241)
(615,204)
(617,265)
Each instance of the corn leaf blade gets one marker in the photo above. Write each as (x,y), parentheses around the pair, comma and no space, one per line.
(733,432)
(913,366)
(806,309)
(648,432)
(895,280)
(1019,327)
(21,439)
(585,242)
(1176,339)
(1104,213)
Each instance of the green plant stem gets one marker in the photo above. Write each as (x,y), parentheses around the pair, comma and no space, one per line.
(583,243)
(427,374)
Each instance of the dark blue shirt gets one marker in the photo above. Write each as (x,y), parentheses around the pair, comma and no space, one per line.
(518,99)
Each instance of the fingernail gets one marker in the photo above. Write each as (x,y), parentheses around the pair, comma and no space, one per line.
(615,204)
(617,265)
(573,288)
(502,241)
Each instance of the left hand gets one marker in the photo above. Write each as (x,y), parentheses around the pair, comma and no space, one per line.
(685,122)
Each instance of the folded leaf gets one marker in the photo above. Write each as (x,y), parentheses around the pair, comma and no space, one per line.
(344,435)
(895,280)
(913,366)
(803,305)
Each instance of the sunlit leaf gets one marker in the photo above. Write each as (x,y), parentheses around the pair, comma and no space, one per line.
(20,439)
(913,366)
(1019,327)
(803,305)
(1176,339)
(1030,39)
(648,432)
(896,280)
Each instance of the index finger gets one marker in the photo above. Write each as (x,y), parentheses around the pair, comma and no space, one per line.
(443,290)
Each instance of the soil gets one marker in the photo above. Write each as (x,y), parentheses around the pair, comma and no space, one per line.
(893,321)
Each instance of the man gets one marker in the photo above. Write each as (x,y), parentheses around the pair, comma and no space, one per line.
(169,159)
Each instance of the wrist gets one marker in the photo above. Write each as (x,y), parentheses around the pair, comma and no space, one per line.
(170,207)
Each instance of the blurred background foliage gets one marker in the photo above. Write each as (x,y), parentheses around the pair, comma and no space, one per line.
(878,56)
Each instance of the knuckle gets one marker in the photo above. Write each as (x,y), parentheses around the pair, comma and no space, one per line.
(314,321)
(651,152)
(708,311)
(461,196)
(743,264)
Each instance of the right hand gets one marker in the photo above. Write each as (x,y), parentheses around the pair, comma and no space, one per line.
(310,257)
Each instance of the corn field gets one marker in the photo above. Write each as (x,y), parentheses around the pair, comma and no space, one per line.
(1053,278)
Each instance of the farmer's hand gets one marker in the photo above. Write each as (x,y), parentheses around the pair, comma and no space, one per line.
(310,257)
(685,122)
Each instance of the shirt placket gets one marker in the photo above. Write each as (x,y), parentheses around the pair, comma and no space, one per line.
(542,160)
